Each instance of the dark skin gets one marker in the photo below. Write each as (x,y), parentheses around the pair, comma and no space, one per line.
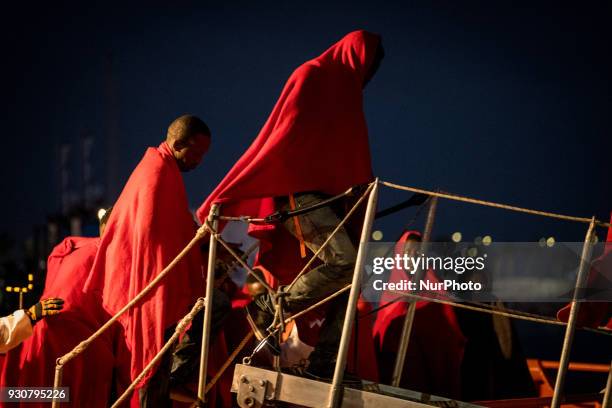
(188,152)
(412,245)
(255,287)
(102,227)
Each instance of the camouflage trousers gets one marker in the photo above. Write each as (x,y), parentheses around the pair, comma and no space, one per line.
(335,272)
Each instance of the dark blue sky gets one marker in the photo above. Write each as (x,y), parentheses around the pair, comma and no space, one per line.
(506,101)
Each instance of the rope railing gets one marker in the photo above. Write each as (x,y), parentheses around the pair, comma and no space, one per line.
(310,261)
(279,321)
(82,346)
(465,199)
(207,228)
(180,329)
(333,398)
(250,335)
(331,235)
(282,215)
(484,308)
(237,257)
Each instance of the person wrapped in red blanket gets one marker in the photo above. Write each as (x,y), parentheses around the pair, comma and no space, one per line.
(314,144)
(150,224)
(435,351)
(595,314)
(89,376)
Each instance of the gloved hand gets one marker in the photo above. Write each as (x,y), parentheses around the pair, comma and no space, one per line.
(44,308)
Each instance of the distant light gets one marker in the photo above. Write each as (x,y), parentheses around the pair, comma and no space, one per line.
(542,242)
(478,240)
(472,252)
(30,286)
(101,213)
(377,235)
(9,288)
(456,237)
(24,290)
(486,240)
(30,277)
(550,242)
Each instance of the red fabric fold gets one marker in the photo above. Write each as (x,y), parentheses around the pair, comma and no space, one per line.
(150,224)
(316,137)
(89,376)
(595,314)
(436,347)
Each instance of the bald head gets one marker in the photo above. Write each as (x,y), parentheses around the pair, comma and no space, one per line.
(104,220)
(189,138)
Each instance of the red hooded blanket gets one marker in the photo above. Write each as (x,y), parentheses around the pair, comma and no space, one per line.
(315,139)
(89,376)
(594,314)
(150,224)
(435,351)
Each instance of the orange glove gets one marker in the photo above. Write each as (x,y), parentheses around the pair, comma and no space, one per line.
(44,308)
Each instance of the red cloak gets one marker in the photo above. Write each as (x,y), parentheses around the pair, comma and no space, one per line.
(435,351)
(594,314)
(89,376)
(150,224)
(315,139)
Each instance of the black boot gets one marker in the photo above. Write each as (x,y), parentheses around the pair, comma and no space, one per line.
(260,316)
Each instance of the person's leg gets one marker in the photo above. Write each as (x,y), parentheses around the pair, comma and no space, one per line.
(338,256)
(186,356)
(321,362)
(156,394)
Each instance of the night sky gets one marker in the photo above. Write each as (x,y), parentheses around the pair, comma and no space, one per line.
(505,101)
(500,101)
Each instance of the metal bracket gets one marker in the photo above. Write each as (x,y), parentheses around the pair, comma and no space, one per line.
(253,392)
(284,388)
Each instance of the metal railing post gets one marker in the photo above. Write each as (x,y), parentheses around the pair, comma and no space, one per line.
(607,399)
(210,283)
(166,348)
(82,346)
(400,360)
(335,393)
(583,273)
(57,382)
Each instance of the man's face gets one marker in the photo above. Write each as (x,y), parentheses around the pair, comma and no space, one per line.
(411,247)
(255,289)
(189,153)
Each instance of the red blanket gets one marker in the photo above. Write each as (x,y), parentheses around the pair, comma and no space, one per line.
(594,314)
(150,224)
(435,351)
(315,139)
(89,376)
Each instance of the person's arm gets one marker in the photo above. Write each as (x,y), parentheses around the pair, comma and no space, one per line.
(17,327)
(14,329)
